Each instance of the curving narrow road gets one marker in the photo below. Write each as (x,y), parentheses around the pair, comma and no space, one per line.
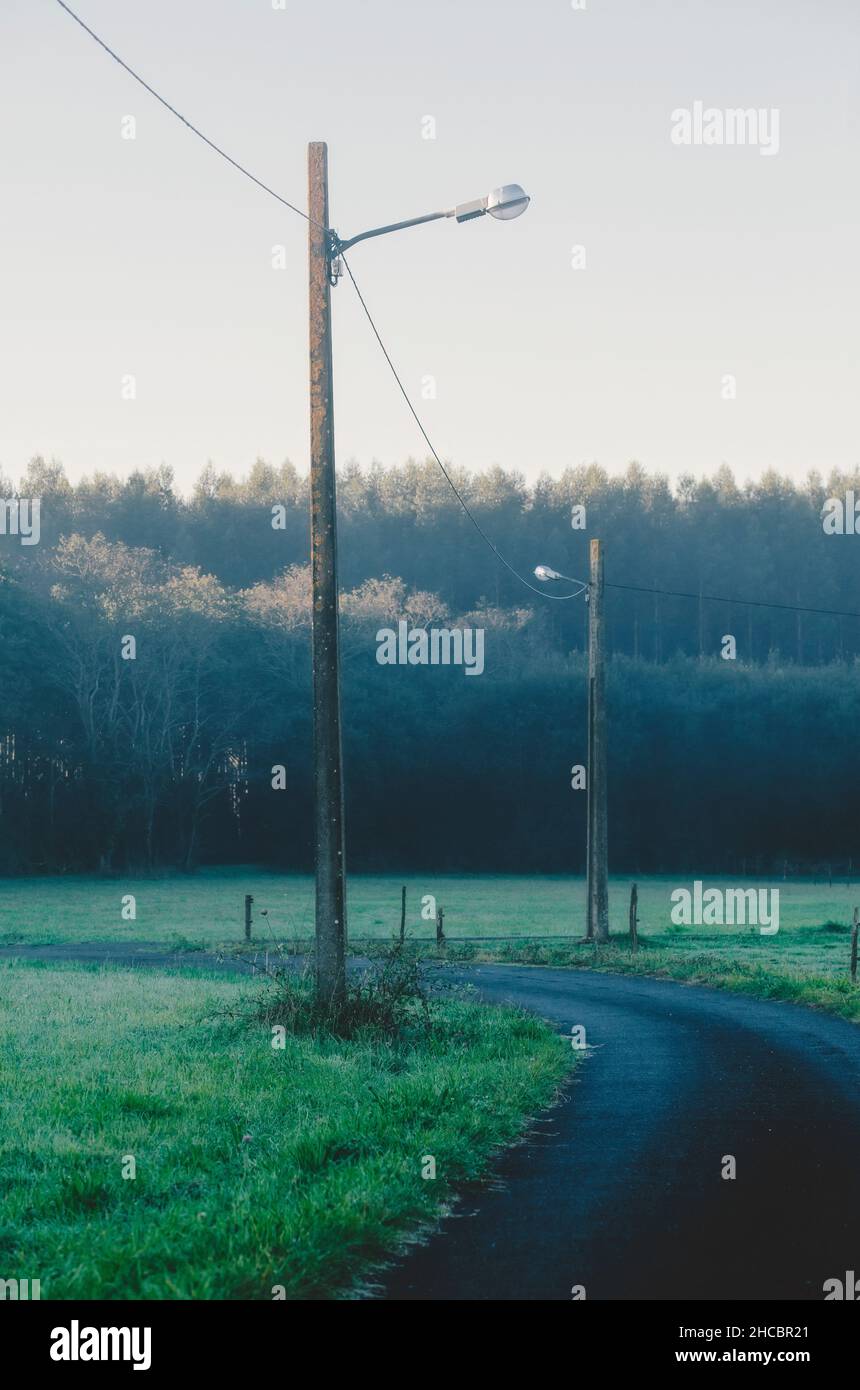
(621,1191)
(620,1188)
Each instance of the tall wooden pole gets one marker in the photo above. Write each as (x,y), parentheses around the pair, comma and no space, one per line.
(328,759)
(598,869)
(589,798)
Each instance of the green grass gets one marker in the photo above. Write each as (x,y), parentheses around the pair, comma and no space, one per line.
(729,968)
(207,909)
(807,959)
(255,1167)
(208,906)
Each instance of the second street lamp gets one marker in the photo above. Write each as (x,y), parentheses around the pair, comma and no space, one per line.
(546,576)
(324,250)
(597,852)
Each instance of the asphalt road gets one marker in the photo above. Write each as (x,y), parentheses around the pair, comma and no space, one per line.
(620,1189)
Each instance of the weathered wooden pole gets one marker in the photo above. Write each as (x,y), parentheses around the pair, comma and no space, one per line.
(440,934)
(328,760)
(248,901)
(403,914)
(854,945)
(634,902)
(598,871)
(589,799)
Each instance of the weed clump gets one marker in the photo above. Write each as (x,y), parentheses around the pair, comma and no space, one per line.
(385,1002)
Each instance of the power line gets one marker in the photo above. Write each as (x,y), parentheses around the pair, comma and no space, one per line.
(740,602)
(558,598)
(193,128)
(632,588)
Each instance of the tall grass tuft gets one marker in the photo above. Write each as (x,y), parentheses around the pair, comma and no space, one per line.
(384,1003)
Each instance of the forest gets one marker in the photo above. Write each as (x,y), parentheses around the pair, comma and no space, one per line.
(191,743)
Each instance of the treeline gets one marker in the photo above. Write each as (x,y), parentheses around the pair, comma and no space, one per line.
(763,541)
(148,705)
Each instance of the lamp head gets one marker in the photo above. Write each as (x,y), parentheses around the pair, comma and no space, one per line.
(507,202)
(503,203)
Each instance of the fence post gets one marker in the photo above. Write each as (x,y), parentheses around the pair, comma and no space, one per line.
(440,935)
(403,914)
(634,900)
(248,901)
(854,945)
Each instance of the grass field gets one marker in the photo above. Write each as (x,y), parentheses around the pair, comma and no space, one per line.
(207,908)
(256,1167)
(259,1167)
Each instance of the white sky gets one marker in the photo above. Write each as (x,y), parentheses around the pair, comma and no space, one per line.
(153,257)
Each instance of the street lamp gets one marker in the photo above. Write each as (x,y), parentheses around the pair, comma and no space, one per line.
(547,576)
(503,203)
(507,202)
(325,248)
(597,854)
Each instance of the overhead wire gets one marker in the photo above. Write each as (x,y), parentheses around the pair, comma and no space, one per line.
(741,602)
(560,598)
(173,111)
(582,585)
(293,208)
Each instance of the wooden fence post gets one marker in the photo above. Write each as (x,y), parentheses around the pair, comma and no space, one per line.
(403,914)
(854,945)
(248,901)
(440,935)
(634,900)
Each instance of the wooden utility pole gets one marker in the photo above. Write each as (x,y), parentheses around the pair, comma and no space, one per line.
(328,759)
(589,799)
(403,914)
(598,872)
(248,902)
